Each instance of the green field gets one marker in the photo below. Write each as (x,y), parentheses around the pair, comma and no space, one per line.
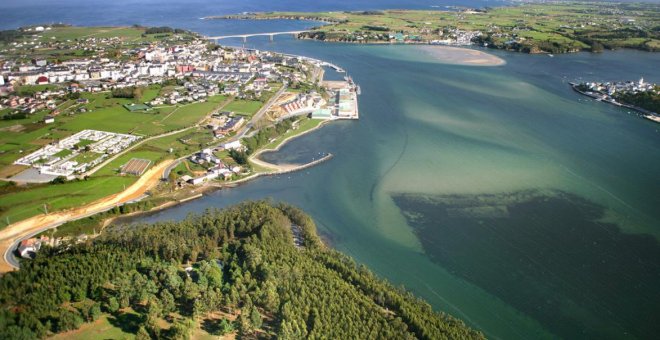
(190,114)
(105,114)
(23,204)
(244,107)
(531,27)
(106,327)
(304,124)
(72,32)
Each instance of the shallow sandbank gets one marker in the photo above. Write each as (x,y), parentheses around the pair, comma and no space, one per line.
(460,56)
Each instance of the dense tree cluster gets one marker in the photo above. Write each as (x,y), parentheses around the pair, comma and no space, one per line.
(163,29)
(128,92)
(8,36)
(265,135)
(649,100)
(261,138)
(240,261)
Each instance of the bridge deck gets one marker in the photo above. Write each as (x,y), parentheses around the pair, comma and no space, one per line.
(254,35)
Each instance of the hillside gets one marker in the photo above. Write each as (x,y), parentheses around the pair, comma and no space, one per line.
(256,270)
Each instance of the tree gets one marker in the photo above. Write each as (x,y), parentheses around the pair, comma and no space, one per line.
(112,305)
(225,327)
(142,334)
(244,326)
(182,328)
(167,302)
(95,312)
(255,318)
(68,320)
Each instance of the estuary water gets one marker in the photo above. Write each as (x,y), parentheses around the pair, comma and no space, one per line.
(497,194)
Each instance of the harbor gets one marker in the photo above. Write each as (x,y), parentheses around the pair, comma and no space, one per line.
(606,92)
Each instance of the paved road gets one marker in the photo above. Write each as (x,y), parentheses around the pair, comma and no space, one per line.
(257,116)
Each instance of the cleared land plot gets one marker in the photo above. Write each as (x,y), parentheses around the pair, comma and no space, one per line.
(114,168)
(106,327)
(136,166)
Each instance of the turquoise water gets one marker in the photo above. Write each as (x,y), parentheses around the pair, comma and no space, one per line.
(525,187)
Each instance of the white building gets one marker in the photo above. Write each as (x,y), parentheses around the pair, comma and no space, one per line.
(235,145)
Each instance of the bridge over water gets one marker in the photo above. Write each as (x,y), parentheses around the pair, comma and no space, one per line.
(271,35)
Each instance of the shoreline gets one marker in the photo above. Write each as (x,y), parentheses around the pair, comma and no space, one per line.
(644,113)
(26,229)
(255,157)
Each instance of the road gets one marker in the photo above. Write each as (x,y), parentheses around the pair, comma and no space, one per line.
(257,116)
(12,235)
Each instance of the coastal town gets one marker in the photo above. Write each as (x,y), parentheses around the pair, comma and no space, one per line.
(639,95)
(127,104)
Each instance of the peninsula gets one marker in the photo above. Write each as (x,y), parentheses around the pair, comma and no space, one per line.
(257,270)
(640,96)
(543,27)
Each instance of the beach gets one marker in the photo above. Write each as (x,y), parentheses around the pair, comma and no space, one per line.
(460,56)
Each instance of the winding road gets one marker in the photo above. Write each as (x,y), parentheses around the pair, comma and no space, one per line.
(14,233)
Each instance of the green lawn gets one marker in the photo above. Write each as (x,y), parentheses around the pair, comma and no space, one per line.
(304,124)
(85,157)
(150,93)
(106,327)
(84,142)
(190,114)
(63,153)
(244,107)
(70,33)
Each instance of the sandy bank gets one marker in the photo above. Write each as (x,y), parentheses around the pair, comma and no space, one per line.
(460,56)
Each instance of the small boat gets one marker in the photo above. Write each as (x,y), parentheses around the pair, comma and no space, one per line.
(358,90)
(551,55)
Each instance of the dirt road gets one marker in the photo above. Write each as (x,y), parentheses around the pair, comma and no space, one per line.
(17,231)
